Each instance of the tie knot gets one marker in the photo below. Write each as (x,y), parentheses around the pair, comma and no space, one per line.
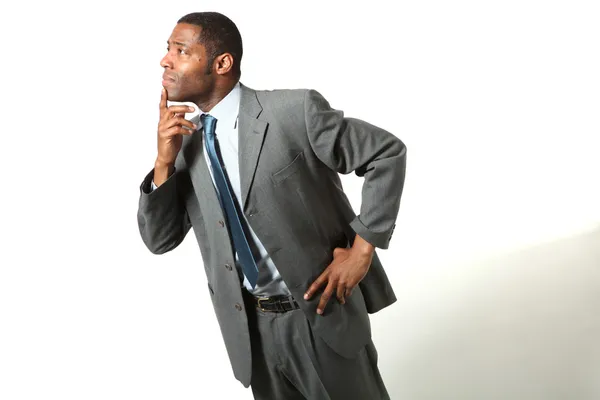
(208,122)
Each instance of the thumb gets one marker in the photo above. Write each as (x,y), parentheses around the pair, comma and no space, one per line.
(338,251)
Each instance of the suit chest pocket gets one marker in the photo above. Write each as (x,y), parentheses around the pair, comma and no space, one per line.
(297,163)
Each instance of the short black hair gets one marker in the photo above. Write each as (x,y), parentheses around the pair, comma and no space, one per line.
(219,35)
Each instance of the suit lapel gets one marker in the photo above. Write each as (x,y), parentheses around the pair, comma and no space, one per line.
(193,152)
(251,134)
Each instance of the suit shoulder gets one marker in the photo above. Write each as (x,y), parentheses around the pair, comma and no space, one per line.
(292,99)
(282,96)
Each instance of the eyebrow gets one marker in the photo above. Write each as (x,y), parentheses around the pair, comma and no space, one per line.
(179,44)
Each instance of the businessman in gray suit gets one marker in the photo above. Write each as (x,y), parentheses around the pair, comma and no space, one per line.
(292,270)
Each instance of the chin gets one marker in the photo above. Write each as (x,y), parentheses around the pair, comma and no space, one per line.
(174,95)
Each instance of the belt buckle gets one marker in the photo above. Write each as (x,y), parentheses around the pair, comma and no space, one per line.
(260,307)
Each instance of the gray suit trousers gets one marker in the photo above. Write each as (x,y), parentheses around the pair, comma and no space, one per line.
(290,362)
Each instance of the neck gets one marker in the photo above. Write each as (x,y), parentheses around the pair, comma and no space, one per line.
(218,94)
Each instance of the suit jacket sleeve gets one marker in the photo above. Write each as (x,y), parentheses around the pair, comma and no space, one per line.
(162,218)
(346,145)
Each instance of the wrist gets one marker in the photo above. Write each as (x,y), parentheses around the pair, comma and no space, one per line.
(363,247)
(160,164)
(162,171)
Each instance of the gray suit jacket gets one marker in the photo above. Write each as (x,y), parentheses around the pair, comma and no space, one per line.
(292,147)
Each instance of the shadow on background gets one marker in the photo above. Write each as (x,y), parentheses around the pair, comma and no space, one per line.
(520,326)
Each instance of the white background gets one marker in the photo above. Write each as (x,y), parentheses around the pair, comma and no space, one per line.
(496,256)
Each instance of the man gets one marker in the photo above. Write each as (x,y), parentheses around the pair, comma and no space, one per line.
(291,269)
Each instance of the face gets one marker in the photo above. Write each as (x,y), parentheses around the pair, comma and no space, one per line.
(188,77)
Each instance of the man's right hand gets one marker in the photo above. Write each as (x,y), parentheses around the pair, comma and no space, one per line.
(171,126)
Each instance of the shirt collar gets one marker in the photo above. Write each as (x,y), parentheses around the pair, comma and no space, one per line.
(226,110)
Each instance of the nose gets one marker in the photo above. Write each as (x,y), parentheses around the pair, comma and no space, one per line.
(166,61)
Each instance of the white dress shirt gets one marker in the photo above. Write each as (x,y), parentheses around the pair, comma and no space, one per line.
(269,281)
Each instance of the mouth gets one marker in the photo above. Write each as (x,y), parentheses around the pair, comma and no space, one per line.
(167,80)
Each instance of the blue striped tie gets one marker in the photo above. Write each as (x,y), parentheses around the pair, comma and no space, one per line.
(240,242)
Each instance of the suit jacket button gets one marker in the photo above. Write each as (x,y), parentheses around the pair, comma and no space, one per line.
(222,224)
(238,307)
(228,267)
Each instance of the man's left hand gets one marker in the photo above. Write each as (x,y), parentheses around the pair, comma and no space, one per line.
(348,268)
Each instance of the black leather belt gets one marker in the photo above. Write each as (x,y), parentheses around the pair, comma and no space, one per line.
(274,303)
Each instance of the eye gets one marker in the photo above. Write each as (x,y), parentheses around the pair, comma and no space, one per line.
(180,51)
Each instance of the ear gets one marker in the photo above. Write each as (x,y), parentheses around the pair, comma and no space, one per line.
(224,63)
